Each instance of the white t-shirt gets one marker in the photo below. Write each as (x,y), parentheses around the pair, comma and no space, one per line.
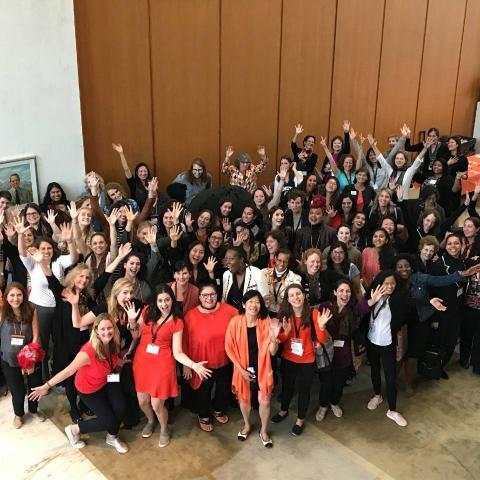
(40,294)
(380,332)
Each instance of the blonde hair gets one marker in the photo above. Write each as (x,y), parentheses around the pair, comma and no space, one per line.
(118,286)
(97,345)
(308,253)
(69,282)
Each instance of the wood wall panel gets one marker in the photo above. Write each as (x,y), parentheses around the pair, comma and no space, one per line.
(172,83)
(358,40)
(400,64)
(185,79)
(250,62)
(306,69)
(468,83)
(443,39)
(114,75)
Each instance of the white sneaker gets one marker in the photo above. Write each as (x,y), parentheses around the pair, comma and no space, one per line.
(74,440)
(321,412)
(116,443)
(398,418)
(374,402)
(337,411)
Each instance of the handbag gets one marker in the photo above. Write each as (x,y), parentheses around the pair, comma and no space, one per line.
(324,355)
(431,365)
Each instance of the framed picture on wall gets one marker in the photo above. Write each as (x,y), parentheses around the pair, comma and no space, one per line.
(19,177)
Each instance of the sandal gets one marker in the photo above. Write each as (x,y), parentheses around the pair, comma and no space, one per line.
(205,424)
(242,436)
(220,417)
(266,443)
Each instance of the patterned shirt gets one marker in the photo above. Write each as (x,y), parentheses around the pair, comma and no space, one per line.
(246,180)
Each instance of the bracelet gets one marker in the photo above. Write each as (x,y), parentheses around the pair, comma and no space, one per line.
(48,384)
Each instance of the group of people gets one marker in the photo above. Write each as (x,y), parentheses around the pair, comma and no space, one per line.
(134,296)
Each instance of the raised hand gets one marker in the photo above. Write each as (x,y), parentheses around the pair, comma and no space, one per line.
(361,138)
(346,126)
(19,225)
(229,151)
(176,210)
(275,330)
(353,134)
(130,214)
(50,217)
(117,147)
(152,187)
(323,317)
(36,254)
(298,129)
(9,230)
(65,232)
(286,325)
(405,131)
(261,150)
(392,184)
(428,142)
(330,211)
(400,192)
(371,140)
(71,297)
(377,294)
(124,249)
(267,190)
(175,233)
(188,220)
(210,264)
(132,314)
(151,236)
(323,143)
(282,174)
(72,210)
(226,224)
(112,219)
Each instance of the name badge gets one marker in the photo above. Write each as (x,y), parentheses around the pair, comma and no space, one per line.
(153,349)
(338,343)
(296,346)
(113,377)
(353,192)
(17,340)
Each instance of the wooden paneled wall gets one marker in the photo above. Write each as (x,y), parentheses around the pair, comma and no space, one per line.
(173,80)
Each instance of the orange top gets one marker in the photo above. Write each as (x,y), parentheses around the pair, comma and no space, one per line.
(236,346)
(305,336)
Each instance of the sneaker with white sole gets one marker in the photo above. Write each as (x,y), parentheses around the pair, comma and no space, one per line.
(320,415)
(116,443)
(148,429)
(164,439)
(74,439)
(398,418)
(337,411)
(374,402)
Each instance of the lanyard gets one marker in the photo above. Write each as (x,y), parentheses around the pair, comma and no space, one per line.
(154,333)
(110,362)
(375,170)
(297,331)
(276,289)
(375,313)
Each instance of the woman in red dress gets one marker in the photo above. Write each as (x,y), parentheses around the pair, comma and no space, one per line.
(160,331)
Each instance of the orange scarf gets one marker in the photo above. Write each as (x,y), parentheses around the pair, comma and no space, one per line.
(236,346)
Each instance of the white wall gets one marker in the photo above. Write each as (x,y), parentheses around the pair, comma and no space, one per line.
(39,94)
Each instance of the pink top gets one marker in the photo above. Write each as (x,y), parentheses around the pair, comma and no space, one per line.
(370,265)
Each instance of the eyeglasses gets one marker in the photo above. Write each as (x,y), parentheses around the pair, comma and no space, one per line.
(32,214)
(207,295)
(197,169)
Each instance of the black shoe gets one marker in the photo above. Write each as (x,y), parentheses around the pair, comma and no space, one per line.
(465,363)
(297,430)
(444,375)
(277,418)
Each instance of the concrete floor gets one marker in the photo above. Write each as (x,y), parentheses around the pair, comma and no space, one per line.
(442,441)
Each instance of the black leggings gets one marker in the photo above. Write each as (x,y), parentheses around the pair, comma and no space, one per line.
(301,376)
(470,338)
(222,378)
(108,404)
(386,356)
(16,385)
(46,317)
(331,385)
(132,410)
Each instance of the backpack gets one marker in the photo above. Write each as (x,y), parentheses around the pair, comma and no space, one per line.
(431,365)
